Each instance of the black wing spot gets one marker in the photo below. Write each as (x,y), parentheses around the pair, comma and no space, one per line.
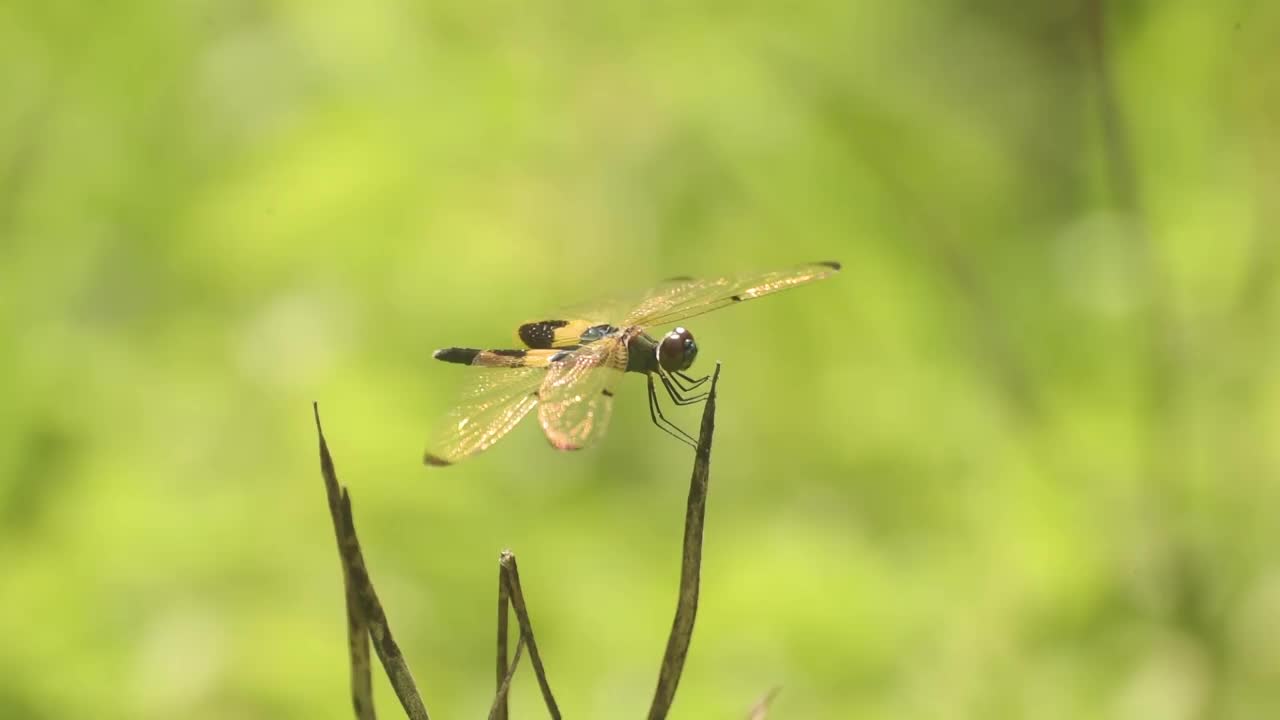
(462,356)
(435,460)
(831,264)
(736,298)
(680,278)
(540,335)
(607,392)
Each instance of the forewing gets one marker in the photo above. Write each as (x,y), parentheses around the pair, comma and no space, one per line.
(682,299)
(494,402)
(576,398)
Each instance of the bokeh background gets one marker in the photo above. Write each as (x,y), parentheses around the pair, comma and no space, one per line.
(1017,460)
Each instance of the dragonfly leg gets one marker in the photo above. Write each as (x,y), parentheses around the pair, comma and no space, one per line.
(678,397)
(655,414)
(677,376)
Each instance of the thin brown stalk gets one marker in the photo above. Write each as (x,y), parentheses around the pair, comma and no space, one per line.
(357,628)
(691,565)
(370,615)
(511,576)
(499,711)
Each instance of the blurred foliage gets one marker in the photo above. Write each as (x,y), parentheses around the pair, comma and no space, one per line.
(1015,461)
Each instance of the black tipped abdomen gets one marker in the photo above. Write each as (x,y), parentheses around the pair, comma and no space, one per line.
(462,356)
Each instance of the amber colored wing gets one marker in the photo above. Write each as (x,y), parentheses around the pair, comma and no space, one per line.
(494,402)
(576,398)
(673,300)
(686,298)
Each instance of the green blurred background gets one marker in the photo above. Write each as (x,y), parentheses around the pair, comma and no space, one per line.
(1017,460)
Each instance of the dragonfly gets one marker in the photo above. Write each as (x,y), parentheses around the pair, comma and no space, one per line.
(570,366)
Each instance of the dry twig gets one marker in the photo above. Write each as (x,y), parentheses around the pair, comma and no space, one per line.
(366,619)
(691,566)
(511,580)
(365,616)
(357,630)
(498,711)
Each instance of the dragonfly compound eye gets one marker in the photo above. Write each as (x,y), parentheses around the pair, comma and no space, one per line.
(677,350)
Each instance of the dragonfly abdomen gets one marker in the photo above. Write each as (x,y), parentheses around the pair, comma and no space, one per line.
(500,358)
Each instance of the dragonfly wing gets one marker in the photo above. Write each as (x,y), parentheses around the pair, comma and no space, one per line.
(576,398)
(682,299)
(495,401)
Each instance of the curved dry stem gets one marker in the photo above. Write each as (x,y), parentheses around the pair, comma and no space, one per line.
(511,576)
(357,628)
(691,565)
(498,711)
(365,617)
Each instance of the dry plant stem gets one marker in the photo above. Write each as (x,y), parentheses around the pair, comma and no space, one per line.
(393,661)
(511,575)
(358,645)
(363,603)
(691,566)
(499,710)
(357,629)
(760,710)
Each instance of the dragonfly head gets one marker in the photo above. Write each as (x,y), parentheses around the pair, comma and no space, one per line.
(677,350)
